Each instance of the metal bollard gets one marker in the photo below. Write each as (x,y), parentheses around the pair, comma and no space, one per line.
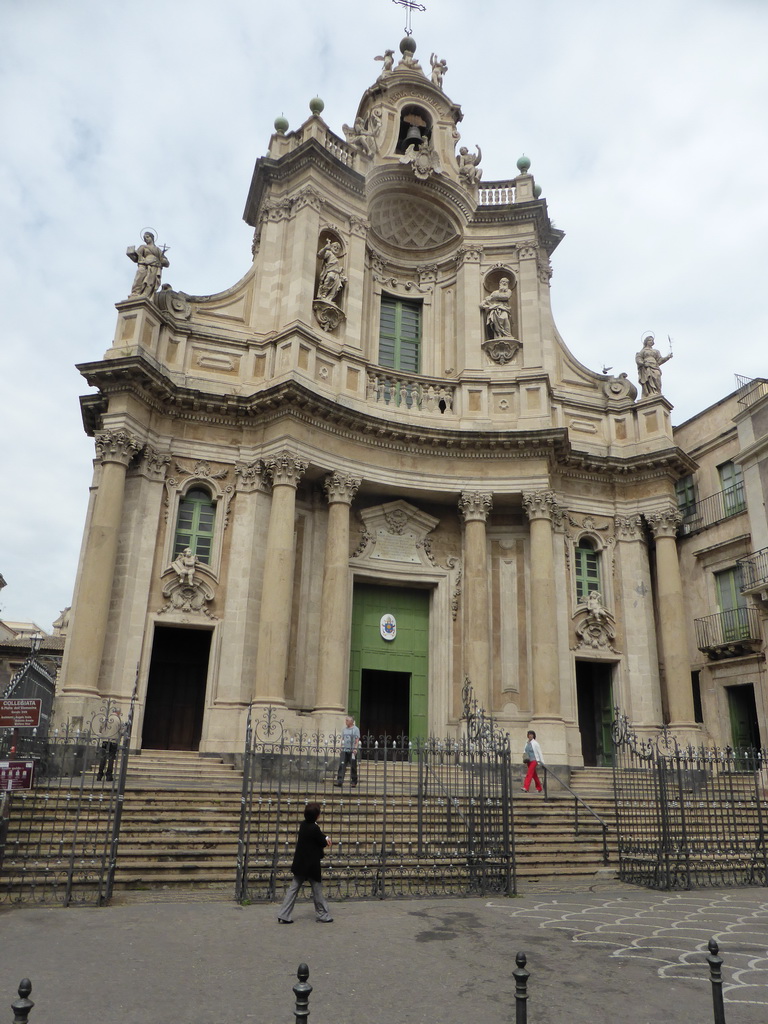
(716,980)
(22,1006)
(521,977)
(301,991)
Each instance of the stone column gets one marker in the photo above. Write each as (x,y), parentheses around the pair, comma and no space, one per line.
(474,507)
(285,471)
(541,508)
(85,644)
(640,693)
(334,636)
(664,524)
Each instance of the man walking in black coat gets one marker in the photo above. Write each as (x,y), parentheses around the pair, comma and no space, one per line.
(310,850)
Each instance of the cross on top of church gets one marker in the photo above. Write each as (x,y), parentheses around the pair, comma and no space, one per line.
(409,6)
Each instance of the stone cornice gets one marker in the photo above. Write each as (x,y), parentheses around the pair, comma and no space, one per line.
(309,154)
(143,379)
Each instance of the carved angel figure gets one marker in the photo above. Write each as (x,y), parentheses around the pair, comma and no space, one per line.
(469,169)
(389,62)
(184,566)
(439,68)
(423,159)
(595,605)
(151,259)
(332,278)
(363,134)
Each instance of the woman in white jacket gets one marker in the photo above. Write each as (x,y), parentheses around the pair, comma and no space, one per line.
(533,756)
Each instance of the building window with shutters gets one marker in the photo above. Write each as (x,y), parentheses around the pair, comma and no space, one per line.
(195,524)
(587,559)
(400,334)
(732,484)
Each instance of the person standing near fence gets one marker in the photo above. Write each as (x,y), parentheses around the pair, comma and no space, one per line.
(311,845)
(532,757)
(350,742)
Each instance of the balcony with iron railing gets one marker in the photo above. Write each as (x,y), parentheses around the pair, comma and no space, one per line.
(752,390)
(728,634)
(754,571)
(701,514)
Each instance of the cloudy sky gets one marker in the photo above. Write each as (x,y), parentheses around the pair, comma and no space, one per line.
(645,124)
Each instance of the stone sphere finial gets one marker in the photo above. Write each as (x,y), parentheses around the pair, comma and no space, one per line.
(317,106)
(523,164)
(281,125)
(537,191)
(407,45)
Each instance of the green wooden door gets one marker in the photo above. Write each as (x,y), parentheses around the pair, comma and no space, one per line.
(406,655)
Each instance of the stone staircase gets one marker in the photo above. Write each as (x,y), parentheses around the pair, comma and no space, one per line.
(181,820)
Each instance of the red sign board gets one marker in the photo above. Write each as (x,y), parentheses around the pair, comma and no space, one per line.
(16,775)
(20,714)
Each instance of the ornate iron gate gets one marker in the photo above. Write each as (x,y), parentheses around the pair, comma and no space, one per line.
(58,841)
(688,817)
(428,818)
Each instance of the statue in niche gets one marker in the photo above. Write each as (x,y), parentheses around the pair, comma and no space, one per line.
(151,259)
(497,307)
(184,566)
(389,62)
(469,170)
(649,361)
(332,277)
(439,68)
(363,135)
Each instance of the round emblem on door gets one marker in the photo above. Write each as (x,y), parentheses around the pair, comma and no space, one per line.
(388,627)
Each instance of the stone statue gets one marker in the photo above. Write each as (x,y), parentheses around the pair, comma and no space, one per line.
(151,260)
(389,62)
(649,361)
(595,605)
(498,305)
(332,278)
(363,134)
(184,566)
(469,170)
(439,68)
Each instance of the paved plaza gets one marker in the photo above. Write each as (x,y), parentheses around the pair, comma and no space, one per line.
(596,952)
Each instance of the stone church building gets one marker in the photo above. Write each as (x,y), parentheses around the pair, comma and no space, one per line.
(372,468)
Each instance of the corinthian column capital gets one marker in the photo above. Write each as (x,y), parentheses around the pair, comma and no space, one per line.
(117,446)
(285,468)
(475,505)
(629,527)
(341,488)
(664,522)
(542,505)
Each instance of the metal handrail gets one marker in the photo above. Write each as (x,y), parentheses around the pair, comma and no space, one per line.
(578,800)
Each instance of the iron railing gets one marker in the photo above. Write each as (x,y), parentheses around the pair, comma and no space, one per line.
(59,840)
(754,570)
(732,628)
(753,389)
(428,817)
(579,805)
(705,512)
(688,817)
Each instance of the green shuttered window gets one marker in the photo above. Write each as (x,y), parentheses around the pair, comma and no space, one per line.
(400,334)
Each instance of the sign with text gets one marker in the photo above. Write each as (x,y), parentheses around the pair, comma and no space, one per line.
(20,714)
(16,775)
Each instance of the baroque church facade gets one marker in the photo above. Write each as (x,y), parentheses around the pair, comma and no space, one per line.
(372,468)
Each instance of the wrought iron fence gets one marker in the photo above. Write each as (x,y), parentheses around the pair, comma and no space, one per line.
(427,817)
(59,839)
(688,817)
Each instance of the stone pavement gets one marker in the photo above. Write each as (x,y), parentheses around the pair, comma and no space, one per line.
(596,952)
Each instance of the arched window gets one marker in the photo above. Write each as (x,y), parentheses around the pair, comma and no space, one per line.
(587,570)
(194,524)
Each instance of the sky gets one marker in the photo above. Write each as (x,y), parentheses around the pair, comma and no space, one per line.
(645,125)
